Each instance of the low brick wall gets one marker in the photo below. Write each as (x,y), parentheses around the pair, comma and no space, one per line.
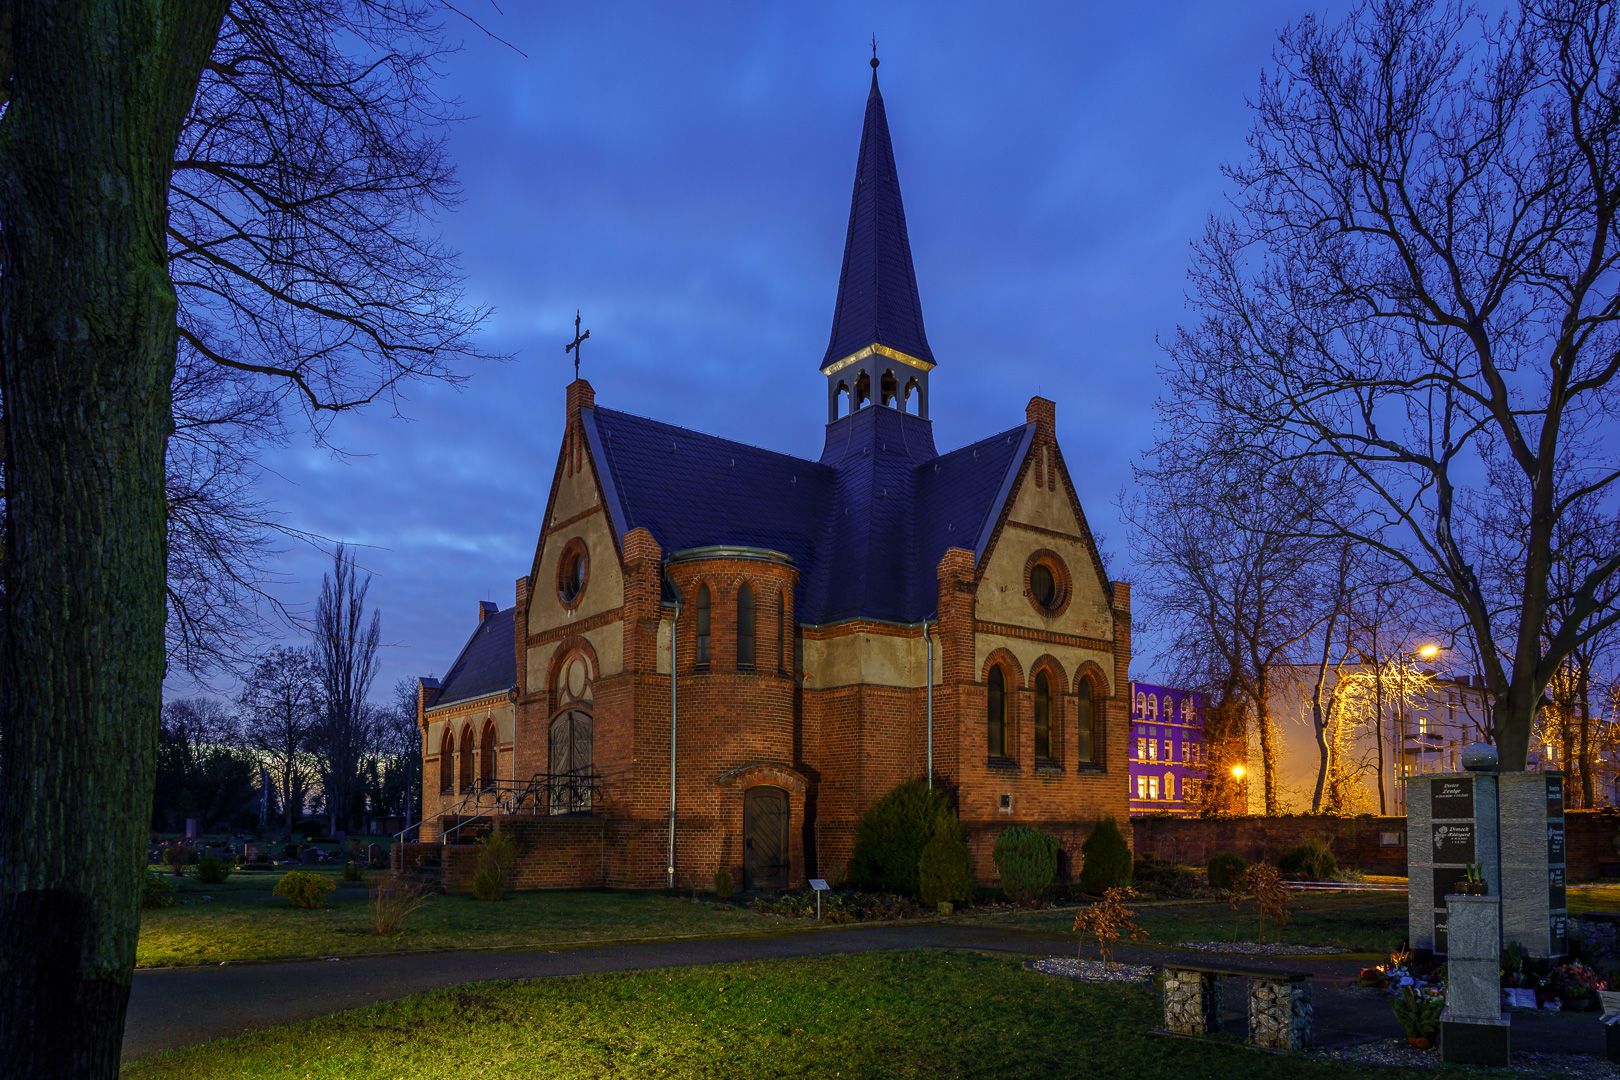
(556,852)
(1356,842)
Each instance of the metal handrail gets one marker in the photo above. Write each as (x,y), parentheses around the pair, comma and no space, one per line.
(554,793)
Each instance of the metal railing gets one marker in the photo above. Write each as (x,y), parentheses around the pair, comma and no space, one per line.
(575,792)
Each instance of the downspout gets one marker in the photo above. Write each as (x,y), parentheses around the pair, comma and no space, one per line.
(675,625)
(928,643)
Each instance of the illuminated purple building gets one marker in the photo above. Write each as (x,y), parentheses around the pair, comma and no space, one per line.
(1168,755)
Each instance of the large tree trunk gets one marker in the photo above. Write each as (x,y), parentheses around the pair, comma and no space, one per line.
(87,346)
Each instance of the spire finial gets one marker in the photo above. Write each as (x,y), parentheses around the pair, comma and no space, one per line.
(573,346)
(874,52)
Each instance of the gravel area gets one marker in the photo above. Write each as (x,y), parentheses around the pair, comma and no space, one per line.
(1270,948)
(1091,970)
(1397,1052)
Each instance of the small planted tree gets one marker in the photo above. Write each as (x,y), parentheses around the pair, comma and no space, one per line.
(1026,859)
(1263,882)
(944,873)
(1106,858)
(1108,920)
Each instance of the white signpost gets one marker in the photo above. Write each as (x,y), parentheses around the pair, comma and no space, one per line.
(819,885)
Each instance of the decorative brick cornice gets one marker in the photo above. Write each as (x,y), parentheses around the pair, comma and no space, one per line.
(461,708)
(577,626)
(1029,633)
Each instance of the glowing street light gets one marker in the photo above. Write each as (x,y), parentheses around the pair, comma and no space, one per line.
(1429,652)
(1237,772)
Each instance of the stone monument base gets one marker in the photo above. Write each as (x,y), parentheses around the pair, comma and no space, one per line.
(1475,1041)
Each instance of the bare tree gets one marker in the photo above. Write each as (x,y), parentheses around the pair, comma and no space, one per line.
(345,652)
(1420,276)
(281,704)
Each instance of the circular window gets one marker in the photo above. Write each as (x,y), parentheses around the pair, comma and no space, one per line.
(1046,582)
(571,573)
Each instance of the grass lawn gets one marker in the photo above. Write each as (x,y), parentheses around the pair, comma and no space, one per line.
(1360,922)
(242,922)
(918,1013)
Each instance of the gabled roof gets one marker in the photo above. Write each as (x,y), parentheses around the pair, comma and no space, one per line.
(866,526)
(877,288)
(487,664)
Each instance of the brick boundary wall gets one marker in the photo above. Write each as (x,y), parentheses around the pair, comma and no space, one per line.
(1355,841)
(1592,837)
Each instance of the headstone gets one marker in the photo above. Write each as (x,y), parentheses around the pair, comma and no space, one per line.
(250,852)
(1451,822)
(374,855)
(1535,909)
(311,856)
(1473,1028)
(193,828)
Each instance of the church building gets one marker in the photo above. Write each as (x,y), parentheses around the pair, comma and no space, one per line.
(722,655)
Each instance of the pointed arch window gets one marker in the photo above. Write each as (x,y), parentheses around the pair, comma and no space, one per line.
(701,604)
(486,757)
(1084,722)
(996,716)
(1043,716)
(447,761)
(464,760)
(745,627)
(571,762)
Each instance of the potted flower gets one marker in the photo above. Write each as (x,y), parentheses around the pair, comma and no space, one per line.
(1575,985)
(1474,883)
(1418,1013)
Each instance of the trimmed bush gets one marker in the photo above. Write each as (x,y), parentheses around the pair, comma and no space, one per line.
(156,893)
(1026,859)
(1106,858)
(1312,860)
(890,839)
(304,889)
(351,871)
(212,871)
(944,875)
(176,857)
(722,885)
(1226,869)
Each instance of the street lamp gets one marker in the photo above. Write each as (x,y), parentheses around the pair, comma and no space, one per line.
(1237,772)
(1429,652)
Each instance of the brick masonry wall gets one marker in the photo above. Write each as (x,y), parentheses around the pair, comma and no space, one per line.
(1355,841)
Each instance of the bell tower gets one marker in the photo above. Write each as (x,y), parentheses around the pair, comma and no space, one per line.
(878,354)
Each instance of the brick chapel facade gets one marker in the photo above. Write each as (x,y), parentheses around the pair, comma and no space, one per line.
(806,633)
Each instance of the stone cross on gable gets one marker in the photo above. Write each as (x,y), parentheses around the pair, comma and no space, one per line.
(573,346)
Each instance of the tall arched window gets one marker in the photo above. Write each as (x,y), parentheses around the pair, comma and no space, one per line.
(464,773)
(701,604)
(745,627)
(1083,723)
(996,719)
(781,632)
(486,757)
(447,761)
(1043,716)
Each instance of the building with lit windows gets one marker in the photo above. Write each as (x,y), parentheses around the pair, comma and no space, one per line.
(1169,758)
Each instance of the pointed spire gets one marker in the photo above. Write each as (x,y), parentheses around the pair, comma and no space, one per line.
(878,309)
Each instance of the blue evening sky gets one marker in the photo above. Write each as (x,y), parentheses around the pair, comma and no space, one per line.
(681,174)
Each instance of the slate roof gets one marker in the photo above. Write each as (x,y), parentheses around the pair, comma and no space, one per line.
(487,663)
(866,525)
(877,288)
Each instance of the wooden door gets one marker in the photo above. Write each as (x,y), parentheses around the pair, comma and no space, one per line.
(765,838)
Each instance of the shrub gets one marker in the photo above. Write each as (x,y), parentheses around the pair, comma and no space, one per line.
(1106,858)
(1109,920)
(1026,859)
(496,854)
(351,871)
(1312,860)
(392,901)
(891,836)
(1162,880)
(304,889)
(1225,870)
(212,871)
(157,893)
(943,870)
(722,885)
(1418,1013)
(176,857)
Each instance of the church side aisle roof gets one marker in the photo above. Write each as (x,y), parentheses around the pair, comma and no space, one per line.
(866,526)
(486,665)
(877,287)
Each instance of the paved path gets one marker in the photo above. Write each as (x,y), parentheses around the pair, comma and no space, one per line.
(184,1006)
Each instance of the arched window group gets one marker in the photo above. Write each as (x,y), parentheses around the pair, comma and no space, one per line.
(456,770)
(746,640)
(1046,709)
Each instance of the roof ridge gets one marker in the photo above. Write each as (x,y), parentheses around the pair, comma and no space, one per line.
(709,435)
